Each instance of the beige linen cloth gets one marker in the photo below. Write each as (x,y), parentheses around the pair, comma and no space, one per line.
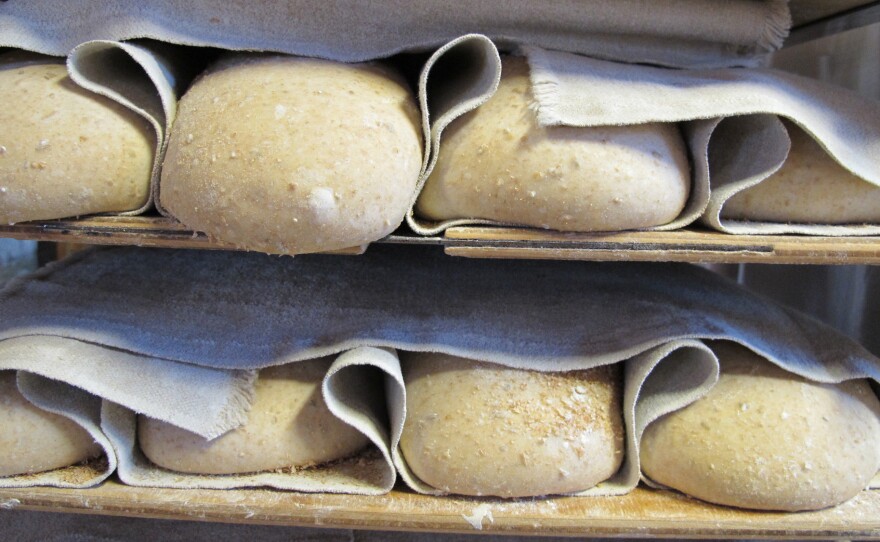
(730,119)
(240,311)
(707,33)
(101,387)
(143,77)
(81,408)
(732,124)
(351,393)
(146,77)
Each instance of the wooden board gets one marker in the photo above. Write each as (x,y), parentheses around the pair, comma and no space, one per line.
(688,245)
(146,231)
(644,512)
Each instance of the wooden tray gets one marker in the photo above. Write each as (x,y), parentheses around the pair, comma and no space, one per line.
(689,245)
(644,512)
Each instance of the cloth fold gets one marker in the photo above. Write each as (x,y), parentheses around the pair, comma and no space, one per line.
(196,307)
(731,116)
(83,409)
(459,77)
(146,77)
(200,399)
(349,396)
(692,33)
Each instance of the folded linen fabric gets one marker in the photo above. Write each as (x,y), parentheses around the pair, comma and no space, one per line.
(66,151)
(707,33)
(736,138)
(65,405)
(146,77)
(81,129)
(764,438)
(246,311)
(200,399)
(352,390)
(497,163)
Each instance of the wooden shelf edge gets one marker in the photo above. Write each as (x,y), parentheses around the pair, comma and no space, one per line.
(142,231)
(688,245)
(643,512)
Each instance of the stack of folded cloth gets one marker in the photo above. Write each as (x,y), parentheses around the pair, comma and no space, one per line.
(219,370)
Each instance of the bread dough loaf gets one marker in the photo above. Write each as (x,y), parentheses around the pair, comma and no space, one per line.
(498,163)
(767,439)
(34,440)
(481,429)
(809,188)
(289,155)
(65,151)
(289,425)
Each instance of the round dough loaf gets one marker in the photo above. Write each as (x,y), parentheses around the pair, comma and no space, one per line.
(65,151)
(767,439)
(34,440)
(481,429)
(289,425)
(809,188)
(498,163)
(290,155)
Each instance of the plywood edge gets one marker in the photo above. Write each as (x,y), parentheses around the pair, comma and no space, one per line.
(143,231)
(643,512)
(689,245)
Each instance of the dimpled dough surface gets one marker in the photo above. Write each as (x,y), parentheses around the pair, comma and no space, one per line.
(767,439)
(289,425)
(498,163)
(33,440)
(481,429)
(810,187)
(290,155)
(65,151)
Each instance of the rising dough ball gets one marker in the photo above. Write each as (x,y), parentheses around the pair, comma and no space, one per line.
(290,155)
(480,429)
(767,439)
(498,163)
(809,188)
(65,151)
(33,440)
(289,425)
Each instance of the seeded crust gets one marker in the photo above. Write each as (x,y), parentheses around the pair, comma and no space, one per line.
(498,163)
(65,151)
(289,426)
(767,439)
(290,155)
(481,429)
(33,440)
(809,188)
